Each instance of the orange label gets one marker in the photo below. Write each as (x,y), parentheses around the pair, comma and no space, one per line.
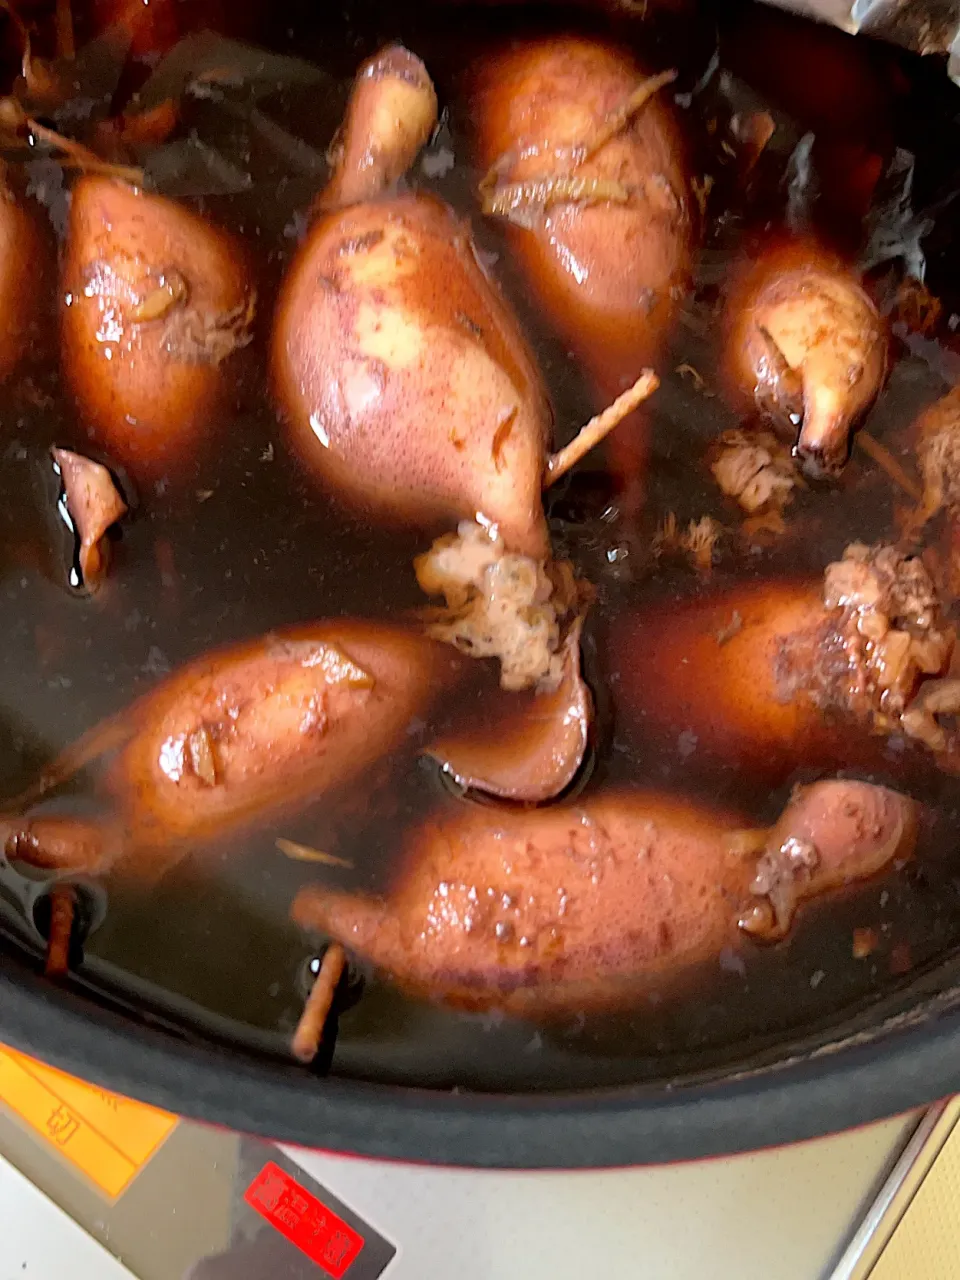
(107,1137)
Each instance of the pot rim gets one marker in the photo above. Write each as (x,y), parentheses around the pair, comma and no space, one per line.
(806,1098)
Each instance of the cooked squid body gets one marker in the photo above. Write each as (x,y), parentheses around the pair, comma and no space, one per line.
(21,258)
(770,676)
(242,735)
(808,346)
(598,216)
(608,267)
(405,380)
(830,834)
(532,752)
(724,677)
(842,92)
(584,907)
(391,114)
(245,734)
(154,299)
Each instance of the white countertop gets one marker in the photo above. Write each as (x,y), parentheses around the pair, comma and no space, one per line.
(783,1214)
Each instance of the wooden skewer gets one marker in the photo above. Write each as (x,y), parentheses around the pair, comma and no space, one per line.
(63,902)
(882,456)
(599,426)
(309,1032)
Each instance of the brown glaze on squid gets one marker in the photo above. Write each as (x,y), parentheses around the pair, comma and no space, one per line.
(406,382)
(598,216)
(243,735)
(587,906)
(154,299)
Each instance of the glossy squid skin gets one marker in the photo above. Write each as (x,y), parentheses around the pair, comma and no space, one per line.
(284,728)
(153,299)
(152,28)
(243,735)
(735,670)
(608,276)
(21,258)
(405,380)
(392,112)
(806,345)
(586,906)
(94,504)
(532,752)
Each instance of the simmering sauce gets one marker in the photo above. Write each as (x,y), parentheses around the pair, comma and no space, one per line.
(245,542)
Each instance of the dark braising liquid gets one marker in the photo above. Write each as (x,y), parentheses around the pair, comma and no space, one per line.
(249,543)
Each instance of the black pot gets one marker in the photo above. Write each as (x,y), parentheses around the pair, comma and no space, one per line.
(892,1066)
(900,1052)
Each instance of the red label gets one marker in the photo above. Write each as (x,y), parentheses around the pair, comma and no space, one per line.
(326,1239)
